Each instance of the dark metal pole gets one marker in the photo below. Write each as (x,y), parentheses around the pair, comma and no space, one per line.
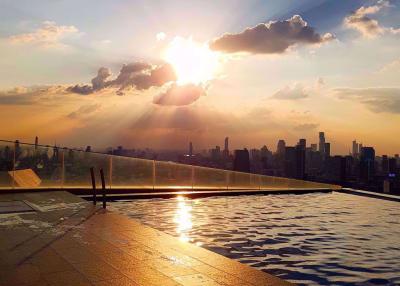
(93,185)
(103,186)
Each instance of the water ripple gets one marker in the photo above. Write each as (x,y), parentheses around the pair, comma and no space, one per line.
(313,239)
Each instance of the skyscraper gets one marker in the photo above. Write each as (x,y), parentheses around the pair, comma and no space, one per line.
(295,160)
(367,163)
(314,147)
(36,142)
(302,143)
(241,162)
(321,146)
(226,148)
(280,149)
(355,149)
(327,150)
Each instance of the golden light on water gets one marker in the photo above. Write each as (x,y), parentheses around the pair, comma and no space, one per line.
(183,219)
(194,63)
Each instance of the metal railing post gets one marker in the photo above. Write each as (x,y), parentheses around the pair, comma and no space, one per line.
(192,176)
(93,185)
(103,186)
(62,169)
(227,180)
(13,171)
(110,171)
(154,174)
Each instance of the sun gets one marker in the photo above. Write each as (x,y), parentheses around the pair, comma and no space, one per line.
(194,63)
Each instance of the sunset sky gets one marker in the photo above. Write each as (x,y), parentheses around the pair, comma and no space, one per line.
(162,73)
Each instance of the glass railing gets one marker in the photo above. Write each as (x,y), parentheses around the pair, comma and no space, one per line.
(28,166)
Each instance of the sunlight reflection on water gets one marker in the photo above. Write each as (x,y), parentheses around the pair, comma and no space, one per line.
(313,239)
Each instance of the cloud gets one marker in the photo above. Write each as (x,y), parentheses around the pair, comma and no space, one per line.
(376,99)
(48,35)
(99,81)
(47,95)
(84,111)
(298,91)
(306,127)
(138,75)
(274,37)
(179,95)
(390,68)
(366,26)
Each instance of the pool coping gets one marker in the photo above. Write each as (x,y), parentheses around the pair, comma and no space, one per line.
(382,196)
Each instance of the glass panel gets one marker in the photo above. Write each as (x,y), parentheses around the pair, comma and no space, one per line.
(6,164)
(37,167)
(208,178)
(52,167)
(238,180)
(173,175)
(132,173)
(77,169)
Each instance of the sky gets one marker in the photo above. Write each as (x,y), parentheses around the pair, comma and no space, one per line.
(161,73)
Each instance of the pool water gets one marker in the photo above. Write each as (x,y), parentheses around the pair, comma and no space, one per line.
(311,239)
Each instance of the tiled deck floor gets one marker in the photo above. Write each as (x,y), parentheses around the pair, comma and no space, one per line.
(110,249)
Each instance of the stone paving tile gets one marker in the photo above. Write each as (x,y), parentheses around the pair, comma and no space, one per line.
(67,278)
(77,255)
(196,280)
(49,261)
(98,271)
(117,282)
(220,276)
(145,275)
(110,249)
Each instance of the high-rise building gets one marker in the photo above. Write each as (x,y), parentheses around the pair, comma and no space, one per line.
(241,161)
(190,149)
(393,166)
(36,142)
(367,164)
(338,168)
(280,149)
(321,146)
(314,147)
(216,153)
(226,149)
(295,159)
(302,143)
(290,162)
(385,164)
(327,150)
(355,150)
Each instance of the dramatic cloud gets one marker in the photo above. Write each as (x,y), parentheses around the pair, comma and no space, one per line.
(368,27)
(298,91)
(179,95)
(270,38)
(99,81)
(48,35)
(138,75)
(379,99)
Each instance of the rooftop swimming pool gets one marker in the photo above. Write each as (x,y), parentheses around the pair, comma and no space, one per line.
(311,239)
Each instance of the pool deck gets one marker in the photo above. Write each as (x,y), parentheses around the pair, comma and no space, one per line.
(68,241)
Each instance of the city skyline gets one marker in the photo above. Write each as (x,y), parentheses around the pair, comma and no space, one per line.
(153,75)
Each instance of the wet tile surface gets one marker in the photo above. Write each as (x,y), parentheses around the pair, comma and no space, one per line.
(90,246)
